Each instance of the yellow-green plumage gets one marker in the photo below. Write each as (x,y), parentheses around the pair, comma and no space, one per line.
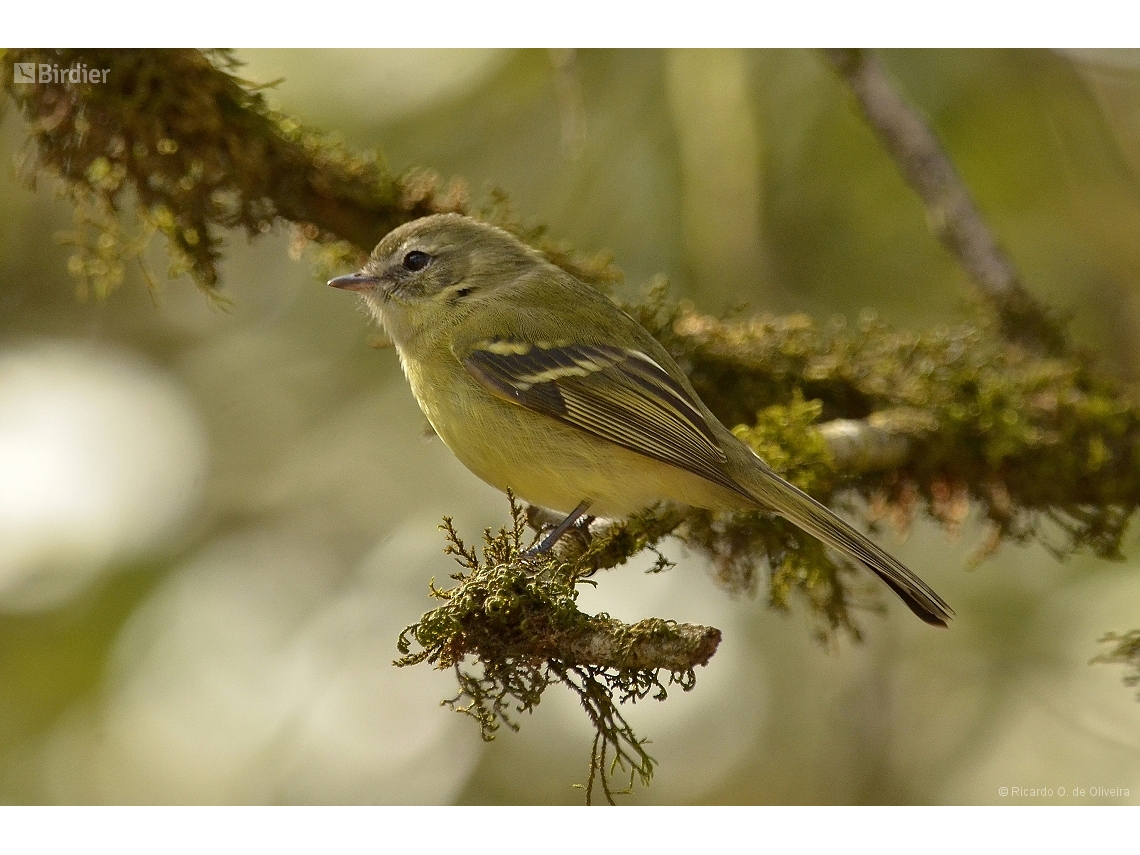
(540,384)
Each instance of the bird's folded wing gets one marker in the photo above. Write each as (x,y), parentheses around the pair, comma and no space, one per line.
(619,395)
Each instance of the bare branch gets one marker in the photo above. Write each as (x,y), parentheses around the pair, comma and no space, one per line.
(647,644)
(951,212)
(881,441)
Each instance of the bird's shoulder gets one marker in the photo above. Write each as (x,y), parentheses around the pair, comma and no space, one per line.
(551,307)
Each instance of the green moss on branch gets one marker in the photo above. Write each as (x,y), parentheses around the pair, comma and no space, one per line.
(510,628)
(1026,438)
(196,149)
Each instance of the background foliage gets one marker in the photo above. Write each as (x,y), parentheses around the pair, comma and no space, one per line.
(237,649)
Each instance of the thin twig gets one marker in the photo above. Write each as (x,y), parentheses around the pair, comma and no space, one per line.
(953,216)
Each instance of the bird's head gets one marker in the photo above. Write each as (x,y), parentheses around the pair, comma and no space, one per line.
(429,272)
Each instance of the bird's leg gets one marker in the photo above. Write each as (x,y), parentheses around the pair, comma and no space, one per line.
(559,530)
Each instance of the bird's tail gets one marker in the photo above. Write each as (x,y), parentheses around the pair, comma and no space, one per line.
(798,507)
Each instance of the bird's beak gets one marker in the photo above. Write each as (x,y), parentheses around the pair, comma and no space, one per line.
(359,281)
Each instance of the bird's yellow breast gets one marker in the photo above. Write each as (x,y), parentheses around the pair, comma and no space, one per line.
(541,459)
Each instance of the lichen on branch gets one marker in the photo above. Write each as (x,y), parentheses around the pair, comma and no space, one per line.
(195,149)
(510,628)
(943,421)
(1024,437)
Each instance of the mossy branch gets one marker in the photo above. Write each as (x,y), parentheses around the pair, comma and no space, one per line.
(197,150)
(510,628)
(937,422)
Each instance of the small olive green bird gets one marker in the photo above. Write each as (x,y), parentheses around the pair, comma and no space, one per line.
(540,384)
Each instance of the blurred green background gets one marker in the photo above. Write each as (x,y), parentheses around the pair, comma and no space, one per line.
(213,524)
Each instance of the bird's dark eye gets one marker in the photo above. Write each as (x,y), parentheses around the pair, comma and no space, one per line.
(416,260)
